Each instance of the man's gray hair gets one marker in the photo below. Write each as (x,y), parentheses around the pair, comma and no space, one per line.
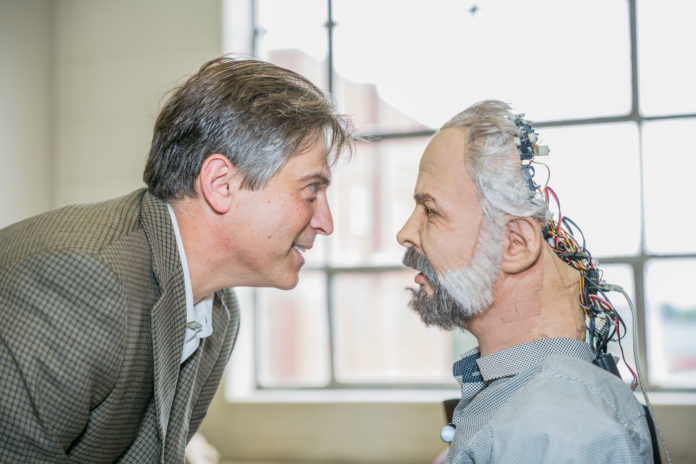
(494,162)
(257,114)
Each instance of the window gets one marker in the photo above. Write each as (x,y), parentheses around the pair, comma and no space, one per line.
(608,101)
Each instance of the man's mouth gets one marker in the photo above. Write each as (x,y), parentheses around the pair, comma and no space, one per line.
(420,272)
(424,283)
(419,278)
(417,261)
(301,250)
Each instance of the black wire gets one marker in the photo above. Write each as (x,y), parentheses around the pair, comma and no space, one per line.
(575,226)
(605,338)
(591,330)
(604,295)
(606,333)
(622,325)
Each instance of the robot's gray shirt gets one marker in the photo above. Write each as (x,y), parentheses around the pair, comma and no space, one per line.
(545,402)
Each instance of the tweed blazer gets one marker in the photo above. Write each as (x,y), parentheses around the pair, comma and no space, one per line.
(92,322)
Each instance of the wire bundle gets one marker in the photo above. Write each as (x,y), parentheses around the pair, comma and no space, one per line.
(604,323)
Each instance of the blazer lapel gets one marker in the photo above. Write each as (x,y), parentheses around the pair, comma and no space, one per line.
(214,342)
(169,314)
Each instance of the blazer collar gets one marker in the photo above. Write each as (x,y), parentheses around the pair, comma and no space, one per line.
(168,317)
(160,234)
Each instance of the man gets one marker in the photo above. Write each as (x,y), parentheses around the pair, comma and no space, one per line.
(116,318)
(481,236)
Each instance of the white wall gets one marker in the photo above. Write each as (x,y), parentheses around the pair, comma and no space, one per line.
(26,78)
(114,61)
(81,82)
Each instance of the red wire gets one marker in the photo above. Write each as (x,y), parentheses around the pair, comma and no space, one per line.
(602,302)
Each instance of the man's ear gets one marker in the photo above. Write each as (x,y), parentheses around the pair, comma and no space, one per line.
(522,246)
(216,182)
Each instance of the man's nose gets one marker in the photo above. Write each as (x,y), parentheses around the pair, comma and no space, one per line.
(408,236)
(322,221)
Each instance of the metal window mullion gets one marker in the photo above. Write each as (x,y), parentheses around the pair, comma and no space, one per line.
(640,331)
(329,276)
(380,136)
(329,36)
(256,318)
(256,342)
(255,32)
(330,285)
(632,25)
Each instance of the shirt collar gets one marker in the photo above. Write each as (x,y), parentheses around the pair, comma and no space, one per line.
(511,361)
(200,313)
(466,370)
(519,358)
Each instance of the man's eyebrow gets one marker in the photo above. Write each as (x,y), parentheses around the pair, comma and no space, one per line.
(423,197)
(319,178)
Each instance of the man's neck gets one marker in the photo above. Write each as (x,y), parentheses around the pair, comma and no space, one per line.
(197,239)
(540,302)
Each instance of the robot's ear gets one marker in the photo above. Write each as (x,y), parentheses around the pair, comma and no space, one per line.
(522,245)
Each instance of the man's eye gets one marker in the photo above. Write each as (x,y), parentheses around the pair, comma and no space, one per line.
(313,189)
(430,212)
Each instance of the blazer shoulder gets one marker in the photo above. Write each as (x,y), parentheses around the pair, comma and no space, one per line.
(73,308)
(84,228)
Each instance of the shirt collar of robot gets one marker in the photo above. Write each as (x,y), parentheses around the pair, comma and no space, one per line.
(518,358)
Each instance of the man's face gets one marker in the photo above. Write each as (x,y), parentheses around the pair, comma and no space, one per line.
(445,223)
(282,220)
(444,228)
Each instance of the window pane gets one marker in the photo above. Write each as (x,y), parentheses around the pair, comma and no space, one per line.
(371,199)
(378,338)
(293,35)
(622,275)
(428,65)
(669,160)
(370,110)
(292,335)
(671,311)
(666,75)
(595,173)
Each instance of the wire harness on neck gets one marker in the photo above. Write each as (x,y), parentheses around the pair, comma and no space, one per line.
(604,323)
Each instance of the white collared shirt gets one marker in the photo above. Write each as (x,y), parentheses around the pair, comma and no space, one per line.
(199,320)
